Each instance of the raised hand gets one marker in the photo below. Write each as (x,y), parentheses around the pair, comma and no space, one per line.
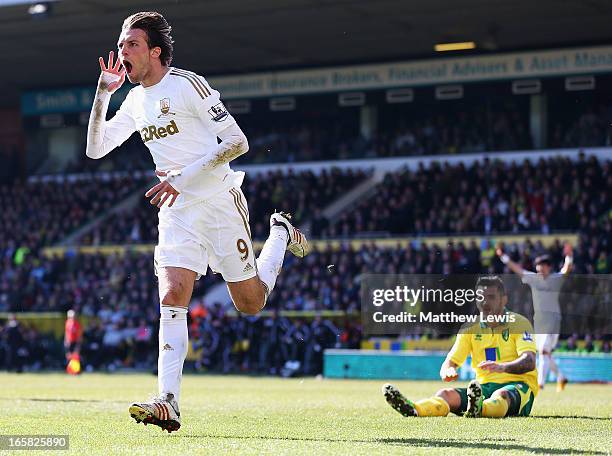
(162,192)
(113,75)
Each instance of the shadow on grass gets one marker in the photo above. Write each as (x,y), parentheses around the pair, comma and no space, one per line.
(269,437)
(571,417)
(504,443)
(320,439)
(41,399)
(481,446)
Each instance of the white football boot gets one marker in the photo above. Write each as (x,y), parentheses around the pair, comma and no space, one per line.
(475,400)
(297,242)
(162,411)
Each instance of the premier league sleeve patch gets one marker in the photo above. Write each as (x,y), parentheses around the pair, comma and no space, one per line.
(218,112)
(527,337)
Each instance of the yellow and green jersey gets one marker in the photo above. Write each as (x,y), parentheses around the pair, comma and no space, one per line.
(502,343)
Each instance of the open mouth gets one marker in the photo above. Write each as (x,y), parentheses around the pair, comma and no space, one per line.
(128,66)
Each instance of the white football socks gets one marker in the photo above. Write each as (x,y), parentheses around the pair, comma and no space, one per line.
(555,369)
(543,365)
(173,340)
(272,255)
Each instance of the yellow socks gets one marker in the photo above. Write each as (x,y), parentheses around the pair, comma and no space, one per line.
(495,407)
(434,406)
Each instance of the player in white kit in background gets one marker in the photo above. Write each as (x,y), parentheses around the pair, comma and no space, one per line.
(545,289)
(203,216)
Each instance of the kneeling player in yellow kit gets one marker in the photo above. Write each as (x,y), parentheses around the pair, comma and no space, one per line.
(503,356)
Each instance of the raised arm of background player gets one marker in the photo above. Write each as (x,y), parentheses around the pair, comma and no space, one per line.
(518,269)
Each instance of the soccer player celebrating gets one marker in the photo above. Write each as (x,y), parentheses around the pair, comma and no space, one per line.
(503,356)
(203,217)
(545,287)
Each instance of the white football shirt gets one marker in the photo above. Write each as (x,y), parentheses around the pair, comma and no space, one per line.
(544,291)
(178,120)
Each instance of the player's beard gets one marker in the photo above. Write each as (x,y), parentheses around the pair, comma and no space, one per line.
(132,78)
(137,76)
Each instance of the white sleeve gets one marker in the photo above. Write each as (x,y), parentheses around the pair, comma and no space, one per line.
(102,135)
(207,105)
(233,144)
(528,277)
(557,281)
(121,126)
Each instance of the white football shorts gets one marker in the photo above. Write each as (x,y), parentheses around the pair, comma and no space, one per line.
(546,342)
(546,326)
(211,233)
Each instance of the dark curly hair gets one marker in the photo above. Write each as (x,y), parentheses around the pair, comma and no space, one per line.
(157,29)
(492,281)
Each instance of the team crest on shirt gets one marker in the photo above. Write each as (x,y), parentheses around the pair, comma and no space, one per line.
(506,334)
(218,112)
(164,107)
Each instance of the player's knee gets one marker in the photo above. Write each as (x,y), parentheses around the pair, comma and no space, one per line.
(503,393)
(451,397)
(171,297)
(250,305)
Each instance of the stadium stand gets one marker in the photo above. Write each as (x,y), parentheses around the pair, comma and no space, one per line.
(117,292)
(490,197)
(302,192)
(40,212)
(416,131)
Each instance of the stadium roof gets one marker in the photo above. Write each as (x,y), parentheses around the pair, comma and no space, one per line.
(236,36)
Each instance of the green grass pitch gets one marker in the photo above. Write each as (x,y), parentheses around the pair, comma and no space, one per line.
(248,415)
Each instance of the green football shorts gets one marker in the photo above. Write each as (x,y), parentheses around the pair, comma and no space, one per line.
(521,397)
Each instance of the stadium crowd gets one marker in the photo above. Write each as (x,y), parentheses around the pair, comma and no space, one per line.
(117,339)
(118,295)
(302,192)
(23,348)
(401,131)
(590,129)
(544,197)
(41,212)
(485,198)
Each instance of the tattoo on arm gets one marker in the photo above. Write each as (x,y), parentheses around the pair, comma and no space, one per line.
(95,129)
(98,108)
(525,363)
